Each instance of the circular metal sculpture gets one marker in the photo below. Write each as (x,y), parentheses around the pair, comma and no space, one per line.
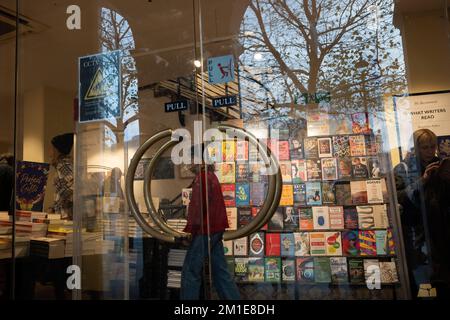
(168,234)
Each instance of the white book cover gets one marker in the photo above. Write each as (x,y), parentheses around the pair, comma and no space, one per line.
(325,147)
(242,151)
(321,218)
(302,244)
(232,218)
(374,191)
(381,220)
(240,247)
(336,215)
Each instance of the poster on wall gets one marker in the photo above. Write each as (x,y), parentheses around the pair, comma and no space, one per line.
(99,87)
(423,111)
(31,180)
(221,69)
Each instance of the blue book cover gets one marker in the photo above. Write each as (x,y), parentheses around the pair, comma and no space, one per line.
(242,194)
(287,244)
(31,180)
(313,194)
(300,193)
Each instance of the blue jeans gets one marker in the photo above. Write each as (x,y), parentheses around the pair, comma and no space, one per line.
(191,275)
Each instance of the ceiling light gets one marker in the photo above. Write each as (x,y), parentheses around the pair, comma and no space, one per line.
(197,63)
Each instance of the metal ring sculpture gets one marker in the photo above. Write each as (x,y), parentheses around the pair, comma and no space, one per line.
(168,234)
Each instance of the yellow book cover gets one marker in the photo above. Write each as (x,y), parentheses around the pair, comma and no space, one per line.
(228,150)
(287,196)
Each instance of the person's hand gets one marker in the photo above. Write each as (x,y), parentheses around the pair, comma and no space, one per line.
(432,167)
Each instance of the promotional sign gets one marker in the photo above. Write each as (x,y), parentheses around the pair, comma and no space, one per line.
(100,87)
(176,106)
(226,101)
(31,180)
(221,69)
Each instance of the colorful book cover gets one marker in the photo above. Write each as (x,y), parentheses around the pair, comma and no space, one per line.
(240,247)
(302,245)
(305,270)
(341,146)
(350,243)
(351,218)
(241,151)
(321,219)
(286,171)
(317,243)
(299,193)
(329,169)
(287,244)
(356,271)
(257,193)
(272,244)
(339,271)
(328,192)
(345,168)
(241,269)
(366,218)
(256,241)
(359,168)
(343,194)
(376,170)
(276,222)
(288,269)
(336,214)
(388,272)
(371,145)
(31,182)
(290,219)
(313,170)
(313,194)
(242,172)
(227,172)
(390,242)
(232,218)
(367,243)
(374,191)
(357,145)
(242,194)
(371,267)
(334,243)
(296,148)
(325,147)
(299,174)
(272,269)
(311,148)
(186,196)
(256,269)
(215,152)
(322,270)
(358,192)
(317,124)
(306,219)
(287,195)
(229,194)
(244,216)
(283,150)
(381,242)
(255,211)
(360,122)
(228,247)
(229,150)
(256,174)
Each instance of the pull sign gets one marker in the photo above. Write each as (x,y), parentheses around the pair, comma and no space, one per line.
(224,101)
(176,106)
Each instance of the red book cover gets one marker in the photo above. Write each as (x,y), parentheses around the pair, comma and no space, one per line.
(273,244)
(229,195)
(283,153)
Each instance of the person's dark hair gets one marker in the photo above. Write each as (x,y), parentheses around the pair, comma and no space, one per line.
(7,158)
(63,143)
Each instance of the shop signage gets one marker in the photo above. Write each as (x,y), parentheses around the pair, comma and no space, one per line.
(221,69)
(100,87)
(224,101)
(318,97)
(176,106)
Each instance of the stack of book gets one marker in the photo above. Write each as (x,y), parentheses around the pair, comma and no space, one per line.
(176,257)
(177,224)
(174,279)
(49,248)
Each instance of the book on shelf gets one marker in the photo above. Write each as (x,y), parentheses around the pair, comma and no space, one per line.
(241,151)
(313,169)
(321,218)
(288,269)
(256,244)
(287,243)
(242,172)
(381,242)
(302,244)
(228,247)
(283,150)
(257,193)
(325,147)
(290,219)
(359,168)
(311,148)
(241,269)
(296,148)
(336,215)
(299,174)
(344,168)
(367,243)
(376,170)
(240,246)
(305,270)
(356,271)
(276,222)
(317,243)
(227,172)
(287,195)
(341,146)
(339,270)
(272,244)
(343,193)
(322,270)
(358,192)
(31,198)
(228,150)
(357,145)
(256,269)
(229,194)
(272,269)
(328,192)
(374,191)
(351,218)
(350,243)
(244,216)
(329,169)
(333,243)
(388,272)
(313,194)
(242,194)
(286,171)
(232,218)
(299,193)
(305,218)
(360,122)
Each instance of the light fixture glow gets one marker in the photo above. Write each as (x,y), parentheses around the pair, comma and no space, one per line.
(197,63)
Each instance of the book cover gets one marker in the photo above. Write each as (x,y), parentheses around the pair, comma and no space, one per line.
(299,174)
(286,174)
(366,218)
(322,270)
(241,151)
(370,270)
(229,194)
(351,218)
(256,269)
(232,218)
(287,195)
(186,196)
(367,243)
(306,219)
(242,172)
(287,244)
(313,194)
(253,153)
(240,247)
(339,271)
(288,269)
(325,147)
(345,168)
(276,222)
(244,216)
(340,125)
(257,193)
(256,174)
(255,211)
(317,124)
(228,247)
(273,269)
(358,192)
(360,122)
(350,243)
(296,148)
(242,194)
(321,218)
(305,270)
(375,168)
(374,191)
(343,193)
(311,148)
(302,245)
(317,244)
(371,145)
(31,182)
(381,242)
(272,244)
(341,146)
(290,219)
(336,214)
(299,193)
(359,168)
(283,150)
(214,150)
(227,172)
(388,272)
(329,169)
(333,243)
(357,145)
(313,170)
(390,242)
(256,241)
(241,269)
(356,271)
(229,150)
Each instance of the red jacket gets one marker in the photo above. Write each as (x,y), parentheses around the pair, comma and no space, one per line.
(218,221)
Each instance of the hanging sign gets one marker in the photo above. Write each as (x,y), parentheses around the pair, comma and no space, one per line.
(221,69)
(176,106)
(224,101)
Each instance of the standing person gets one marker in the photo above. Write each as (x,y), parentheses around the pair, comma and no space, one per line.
(207,221)
(60,159)
(6,182)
